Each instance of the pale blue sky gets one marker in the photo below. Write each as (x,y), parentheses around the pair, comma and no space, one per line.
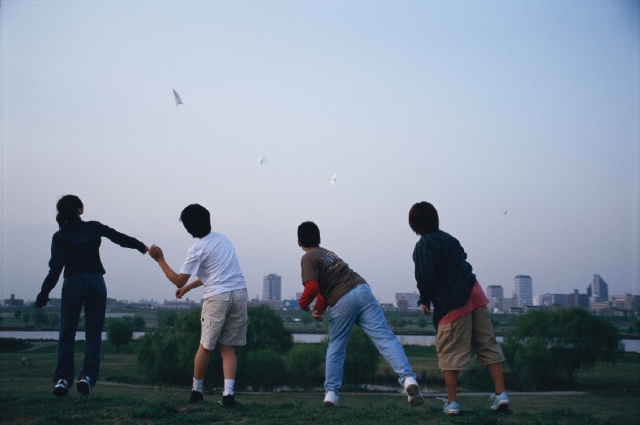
(477,107)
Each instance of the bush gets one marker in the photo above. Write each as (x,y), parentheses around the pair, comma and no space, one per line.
(361,361)
(167,318)
(477,378)
(267,369)
(119,332)
(139,323)
(305,365)
(166,355)
(548,346)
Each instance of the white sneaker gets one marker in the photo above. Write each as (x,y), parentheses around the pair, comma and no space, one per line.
(84,386)
(413,392)
(330,399)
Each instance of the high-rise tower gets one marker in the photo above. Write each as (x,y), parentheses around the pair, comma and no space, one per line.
(271,287)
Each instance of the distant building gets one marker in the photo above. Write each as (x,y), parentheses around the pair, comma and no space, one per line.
(290,305)
(271,287)
(387,306)
(274,304)
(13,302)
(548,300)
(577,300)
(599,290)
(523,290)
(407,301)
(495,294)
(179,305)
(627,302)
(508,303)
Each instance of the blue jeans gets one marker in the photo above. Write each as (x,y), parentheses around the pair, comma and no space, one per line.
(86,289)
(360,307)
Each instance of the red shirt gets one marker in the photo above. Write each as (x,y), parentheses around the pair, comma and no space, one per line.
(477,299)
(312,292)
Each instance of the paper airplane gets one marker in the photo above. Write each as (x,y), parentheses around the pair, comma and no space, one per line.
(262,160)
(177,98)
(333,179)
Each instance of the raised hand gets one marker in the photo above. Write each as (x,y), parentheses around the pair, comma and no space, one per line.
(156,253)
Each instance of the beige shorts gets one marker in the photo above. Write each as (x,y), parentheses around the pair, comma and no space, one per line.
(224,316)
(456,340)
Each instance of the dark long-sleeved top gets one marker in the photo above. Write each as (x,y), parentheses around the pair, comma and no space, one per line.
(443,275)
(75,247)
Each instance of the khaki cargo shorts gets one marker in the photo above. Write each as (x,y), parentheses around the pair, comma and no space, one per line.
(472,332)
(224,316)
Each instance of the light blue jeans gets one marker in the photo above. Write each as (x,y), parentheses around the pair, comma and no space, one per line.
(360,307)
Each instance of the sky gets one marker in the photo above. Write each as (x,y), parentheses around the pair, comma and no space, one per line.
(517,120)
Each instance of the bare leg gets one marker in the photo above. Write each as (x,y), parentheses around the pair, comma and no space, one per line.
(451,381)
(201,362)
(495,370)
(229,364)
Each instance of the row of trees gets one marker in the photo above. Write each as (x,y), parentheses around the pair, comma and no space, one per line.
(544,351)
(269,360)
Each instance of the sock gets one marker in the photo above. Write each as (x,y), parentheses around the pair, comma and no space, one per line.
(228,386)
(197,385)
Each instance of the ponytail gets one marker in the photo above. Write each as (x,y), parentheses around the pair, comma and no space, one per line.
(67,207)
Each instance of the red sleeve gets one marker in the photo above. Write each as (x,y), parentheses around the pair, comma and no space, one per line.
(311,290)
(321,304)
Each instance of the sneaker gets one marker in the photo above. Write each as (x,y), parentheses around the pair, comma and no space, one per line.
(228,401)
(330,399)
(452,408)
(413,392)
(196,396)
(84,386)
(61,389)
(500,401)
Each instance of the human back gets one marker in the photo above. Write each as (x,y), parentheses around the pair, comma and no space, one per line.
(213,259)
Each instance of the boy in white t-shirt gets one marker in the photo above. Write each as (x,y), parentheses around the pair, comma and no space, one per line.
(224,310)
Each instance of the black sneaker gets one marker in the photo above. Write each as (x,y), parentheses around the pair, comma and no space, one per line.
(61,389)
(196,396)
(84,386)
(228,401)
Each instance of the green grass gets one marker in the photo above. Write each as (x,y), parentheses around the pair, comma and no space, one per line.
(31,402)
(25,397)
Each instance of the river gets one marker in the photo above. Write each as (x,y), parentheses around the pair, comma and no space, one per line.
(630,345)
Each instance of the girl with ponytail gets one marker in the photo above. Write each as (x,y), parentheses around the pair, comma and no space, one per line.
(75,248)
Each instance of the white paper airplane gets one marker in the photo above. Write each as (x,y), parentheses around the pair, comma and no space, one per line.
(262,160)
(333,179)
(177,98)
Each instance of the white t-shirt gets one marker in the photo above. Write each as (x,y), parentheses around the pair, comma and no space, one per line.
(214,261)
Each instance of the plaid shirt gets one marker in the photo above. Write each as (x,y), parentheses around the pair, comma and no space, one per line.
(443,275)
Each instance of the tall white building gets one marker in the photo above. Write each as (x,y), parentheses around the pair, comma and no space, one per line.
(523,290)
(271,287)
(599,290)
(495,294)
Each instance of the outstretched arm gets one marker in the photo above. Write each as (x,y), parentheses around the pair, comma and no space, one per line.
(177,279)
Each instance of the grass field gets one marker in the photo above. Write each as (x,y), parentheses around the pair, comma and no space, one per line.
(611,396)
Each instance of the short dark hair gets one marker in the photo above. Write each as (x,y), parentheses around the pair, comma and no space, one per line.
(309,234)
(423,218)
(197,220)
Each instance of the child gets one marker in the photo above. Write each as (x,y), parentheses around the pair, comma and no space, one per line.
(327,277)
(224,311)
(460,313)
